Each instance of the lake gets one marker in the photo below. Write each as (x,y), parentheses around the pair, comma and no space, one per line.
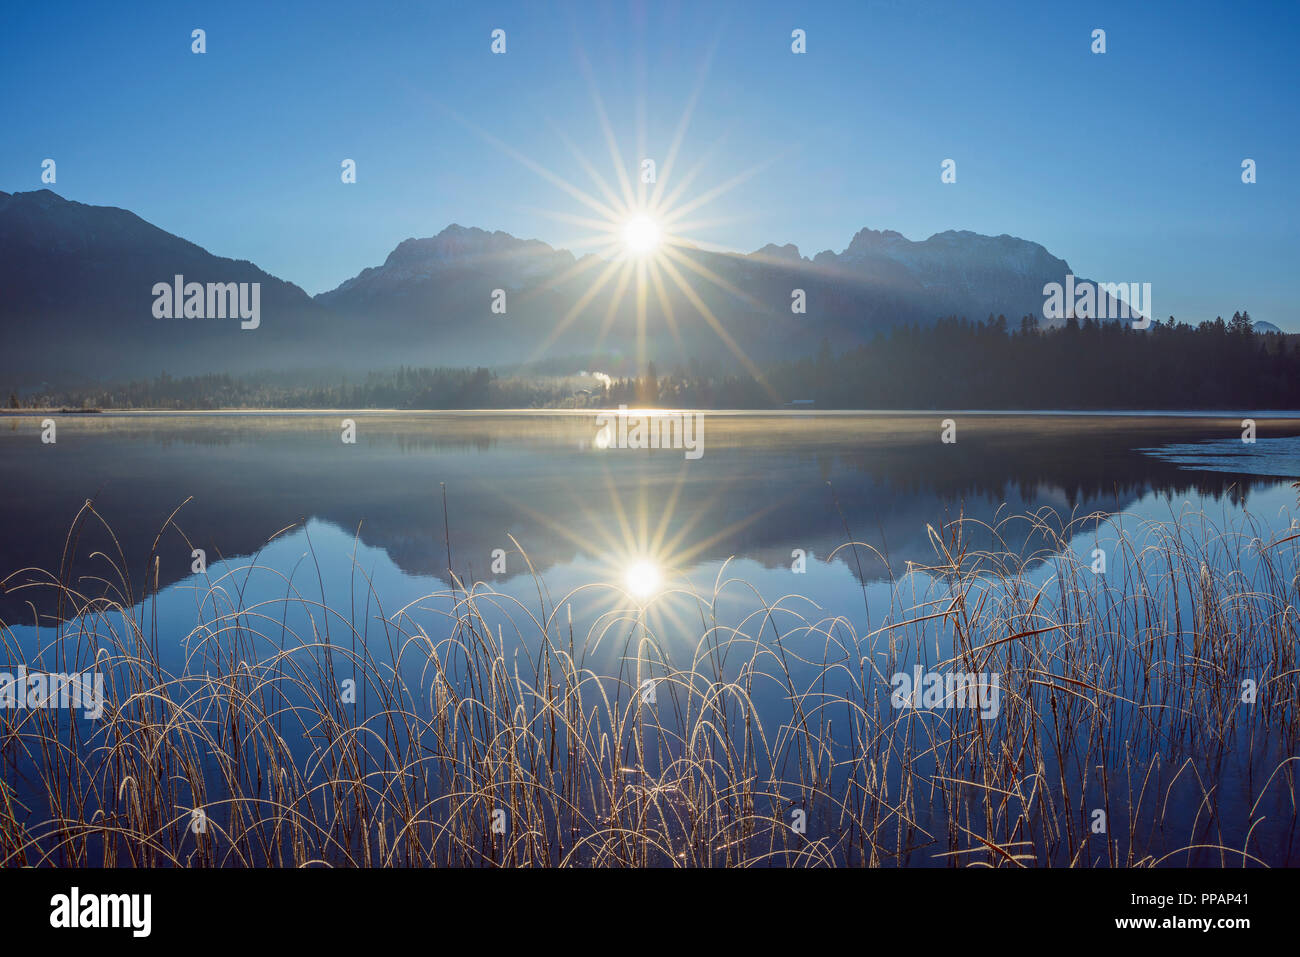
(808,559)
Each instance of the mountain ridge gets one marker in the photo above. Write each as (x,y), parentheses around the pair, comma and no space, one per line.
(77,278)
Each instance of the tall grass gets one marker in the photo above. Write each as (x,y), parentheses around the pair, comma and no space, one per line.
(1121,693)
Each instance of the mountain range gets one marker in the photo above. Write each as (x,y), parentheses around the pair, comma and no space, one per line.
(77,300)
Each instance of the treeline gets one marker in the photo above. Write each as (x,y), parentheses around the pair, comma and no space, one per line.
(1088,365)
(403,388)
(953,363)
(959,364)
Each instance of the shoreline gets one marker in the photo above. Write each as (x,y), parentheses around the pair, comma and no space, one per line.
(1270,414)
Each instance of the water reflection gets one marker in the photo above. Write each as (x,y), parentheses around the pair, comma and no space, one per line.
(769,485)
(799,566)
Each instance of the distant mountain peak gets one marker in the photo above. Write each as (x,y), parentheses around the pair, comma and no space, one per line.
(460,242)
(512,260)
(45,199)
(870,238)
(772,251)
(82,276)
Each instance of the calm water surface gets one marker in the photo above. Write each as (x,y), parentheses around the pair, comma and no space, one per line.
(613,539)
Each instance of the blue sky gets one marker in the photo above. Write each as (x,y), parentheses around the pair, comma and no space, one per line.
(1126,164)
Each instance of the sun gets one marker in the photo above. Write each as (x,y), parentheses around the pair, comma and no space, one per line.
(644,236)
(641,235)
(643,579)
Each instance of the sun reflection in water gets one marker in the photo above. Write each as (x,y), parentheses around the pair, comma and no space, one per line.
(643,578)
